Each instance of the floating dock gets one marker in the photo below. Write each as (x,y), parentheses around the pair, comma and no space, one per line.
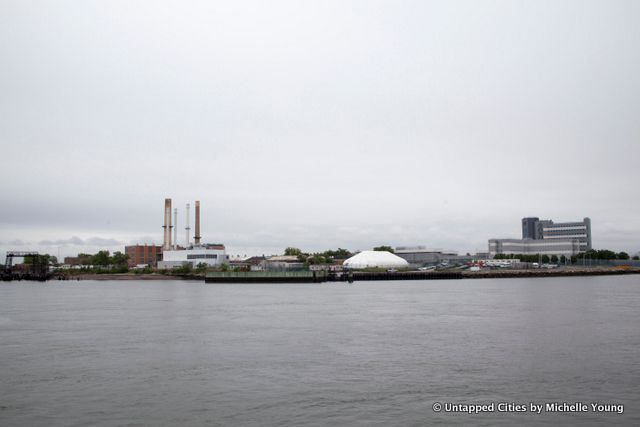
(266,277)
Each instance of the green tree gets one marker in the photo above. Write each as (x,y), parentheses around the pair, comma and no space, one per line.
(201,267)
(119,259)
(601,254)
(623,255)
(636,258)
(101,258)
(85,259)
(292,251)
(318,259)
(185,268)
(554,258)
(563,259)
(545,258)
(338,253)
(384,248)
(28,260)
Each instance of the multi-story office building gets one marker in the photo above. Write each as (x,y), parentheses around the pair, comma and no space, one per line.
(530,227)
(568,230)
(546,237)
(534,228)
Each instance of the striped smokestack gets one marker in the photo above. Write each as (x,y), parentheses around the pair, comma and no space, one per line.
(167,225)
(196,238)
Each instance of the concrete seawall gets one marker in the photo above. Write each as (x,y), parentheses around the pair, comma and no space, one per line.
(597,271)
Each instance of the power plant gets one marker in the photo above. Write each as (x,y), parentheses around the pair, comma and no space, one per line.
(174,255)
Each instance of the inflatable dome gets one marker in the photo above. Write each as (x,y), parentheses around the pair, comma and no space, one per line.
(380,259)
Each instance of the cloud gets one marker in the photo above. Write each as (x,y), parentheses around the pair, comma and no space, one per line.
(99,241)
(148,240)
(371,133)
(77,241)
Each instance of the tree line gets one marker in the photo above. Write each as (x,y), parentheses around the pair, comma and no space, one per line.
(326,257)
(118,260)
(593,254)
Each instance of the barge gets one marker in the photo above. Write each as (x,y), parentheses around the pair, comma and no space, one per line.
(266,277)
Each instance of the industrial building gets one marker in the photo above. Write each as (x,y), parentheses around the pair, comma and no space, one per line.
(421,255)
(545,237)
(282,263)
(536,229)
(418,256)
(72,261)
(143,255)
(212,255)
(197,253)
(254,263)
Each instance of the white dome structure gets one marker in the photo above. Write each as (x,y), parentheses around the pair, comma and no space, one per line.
(372,259)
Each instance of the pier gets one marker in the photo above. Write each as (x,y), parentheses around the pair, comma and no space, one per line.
(38,269)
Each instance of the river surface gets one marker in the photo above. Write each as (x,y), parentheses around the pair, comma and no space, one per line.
(372,353)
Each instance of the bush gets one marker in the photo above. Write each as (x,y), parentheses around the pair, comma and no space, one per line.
(186,268)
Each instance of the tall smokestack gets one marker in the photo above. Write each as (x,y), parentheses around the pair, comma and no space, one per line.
(187,228)
(175,228)
(167,225)
(196,238)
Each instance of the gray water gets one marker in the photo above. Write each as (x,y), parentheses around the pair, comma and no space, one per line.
(371,353)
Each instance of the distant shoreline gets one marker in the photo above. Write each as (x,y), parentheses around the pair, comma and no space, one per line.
(483,274)
(561,272)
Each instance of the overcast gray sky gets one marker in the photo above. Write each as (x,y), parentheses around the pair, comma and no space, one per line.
(317,124)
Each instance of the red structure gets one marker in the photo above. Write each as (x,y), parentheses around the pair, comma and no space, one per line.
(144,254)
